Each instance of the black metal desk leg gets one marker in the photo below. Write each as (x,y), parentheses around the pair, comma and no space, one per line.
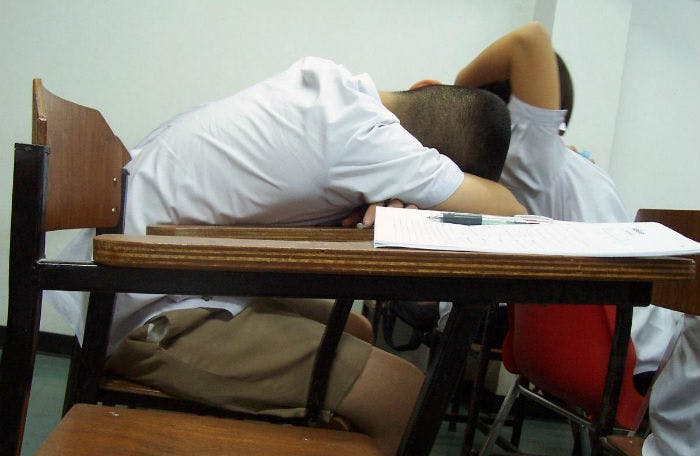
(613,380)
(477,394)
(441,380)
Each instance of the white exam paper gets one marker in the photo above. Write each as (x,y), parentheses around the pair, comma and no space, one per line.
(411,228)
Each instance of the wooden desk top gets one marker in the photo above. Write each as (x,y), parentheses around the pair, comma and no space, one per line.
(336,234)
(360,257)
(672,276)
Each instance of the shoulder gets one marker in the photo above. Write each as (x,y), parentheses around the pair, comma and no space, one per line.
(313,65)
(316,70)
(317,62)
(523,113)
(593,195)
(535,144)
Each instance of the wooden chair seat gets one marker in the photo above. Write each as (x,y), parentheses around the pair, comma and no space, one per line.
(118,384)
(121,385)
(90,429)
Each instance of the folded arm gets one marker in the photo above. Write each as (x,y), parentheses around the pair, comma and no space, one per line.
(475,194)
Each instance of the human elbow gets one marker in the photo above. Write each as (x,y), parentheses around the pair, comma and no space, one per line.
(533,35)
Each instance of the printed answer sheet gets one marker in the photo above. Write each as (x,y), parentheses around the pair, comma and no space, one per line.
(412,228)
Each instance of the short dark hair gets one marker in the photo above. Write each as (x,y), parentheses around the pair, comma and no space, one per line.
(566,89)
(470,126)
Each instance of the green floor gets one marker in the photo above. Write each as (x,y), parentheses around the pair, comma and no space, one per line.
(539,437)
(45,401)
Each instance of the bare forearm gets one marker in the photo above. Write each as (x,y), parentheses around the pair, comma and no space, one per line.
(525,58)
(491,65)
(482,196)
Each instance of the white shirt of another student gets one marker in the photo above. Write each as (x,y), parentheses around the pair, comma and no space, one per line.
(550,179)
(304,147)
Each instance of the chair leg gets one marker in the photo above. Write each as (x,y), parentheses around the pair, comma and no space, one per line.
(576,431)
(71,395)
(24,295)
(586,436)
(582,439)
(500,419)
(518,416)
(456,403)
(87,362)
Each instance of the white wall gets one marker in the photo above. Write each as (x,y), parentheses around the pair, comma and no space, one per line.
(656,159)
(591,37)
(140,61)
(637,99)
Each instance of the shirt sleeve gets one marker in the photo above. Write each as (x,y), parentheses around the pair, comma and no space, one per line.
(535,139)
(370,156)
(535,154)
(384,161)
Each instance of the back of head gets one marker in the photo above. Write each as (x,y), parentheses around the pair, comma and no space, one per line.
(470,126)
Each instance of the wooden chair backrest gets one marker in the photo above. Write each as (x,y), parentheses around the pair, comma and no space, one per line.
(679,295)
(84,187)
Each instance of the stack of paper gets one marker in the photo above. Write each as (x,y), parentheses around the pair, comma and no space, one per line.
(412,228)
